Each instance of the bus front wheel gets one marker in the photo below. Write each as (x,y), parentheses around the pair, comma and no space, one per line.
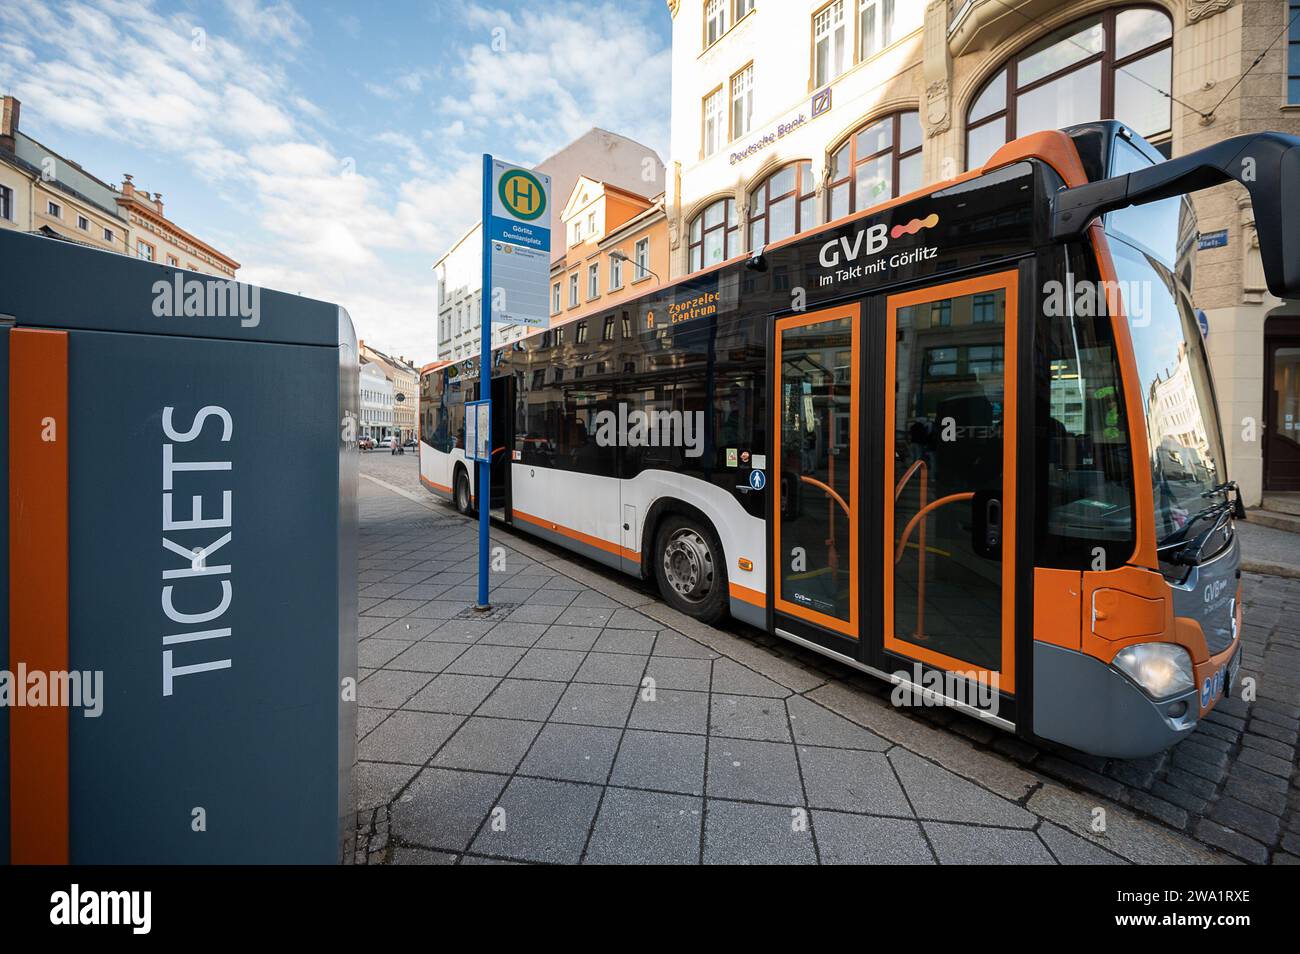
(689,568)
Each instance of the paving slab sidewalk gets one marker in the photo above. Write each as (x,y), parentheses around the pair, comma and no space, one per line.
(585,721)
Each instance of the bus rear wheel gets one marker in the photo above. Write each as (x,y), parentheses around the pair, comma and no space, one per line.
(689,568)
(461,498)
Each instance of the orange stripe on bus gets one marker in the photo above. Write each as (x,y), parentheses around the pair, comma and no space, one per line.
(746,595)
(578,535)
(433,486)
(38,590)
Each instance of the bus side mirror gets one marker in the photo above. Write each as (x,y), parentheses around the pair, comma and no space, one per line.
(1267,164)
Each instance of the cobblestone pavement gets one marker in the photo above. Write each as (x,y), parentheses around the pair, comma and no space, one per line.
(526,736)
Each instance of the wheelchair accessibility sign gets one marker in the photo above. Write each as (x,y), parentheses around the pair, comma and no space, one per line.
(756,480)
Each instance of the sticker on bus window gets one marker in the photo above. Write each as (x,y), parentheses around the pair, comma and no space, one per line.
(759,462)
(731,457)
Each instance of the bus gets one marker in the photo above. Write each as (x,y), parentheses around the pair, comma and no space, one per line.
(965,441)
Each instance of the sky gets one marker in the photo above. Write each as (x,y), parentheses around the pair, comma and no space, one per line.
(333,149)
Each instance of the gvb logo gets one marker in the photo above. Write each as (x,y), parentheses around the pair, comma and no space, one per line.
(102,908)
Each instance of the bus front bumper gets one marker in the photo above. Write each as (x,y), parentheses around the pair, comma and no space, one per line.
(1086,704)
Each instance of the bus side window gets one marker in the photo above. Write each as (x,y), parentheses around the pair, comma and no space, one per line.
(1085,470)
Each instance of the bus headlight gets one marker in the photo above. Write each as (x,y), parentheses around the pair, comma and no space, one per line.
(1161,669)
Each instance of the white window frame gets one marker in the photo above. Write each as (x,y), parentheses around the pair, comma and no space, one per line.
(108,235)
(714,125)
(6,203)
(557,298)
(641,255)
(715,21)
(593,281)
(830,24)
(574,289)
(743,9)
(83,223)
(615,273)
(53,209)
(742,101)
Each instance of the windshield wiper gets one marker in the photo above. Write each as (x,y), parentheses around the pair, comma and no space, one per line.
(1178,538)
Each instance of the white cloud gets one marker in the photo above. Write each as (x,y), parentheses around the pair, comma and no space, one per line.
(271,23)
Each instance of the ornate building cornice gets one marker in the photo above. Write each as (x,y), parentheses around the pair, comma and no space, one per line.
(672,7)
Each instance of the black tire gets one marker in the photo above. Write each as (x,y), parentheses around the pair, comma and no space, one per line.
(461,497)
(697,557)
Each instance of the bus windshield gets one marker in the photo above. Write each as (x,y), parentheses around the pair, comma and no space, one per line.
(1185,443)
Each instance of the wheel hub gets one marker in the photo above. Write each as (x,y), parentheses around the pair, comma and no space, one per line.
(688,565)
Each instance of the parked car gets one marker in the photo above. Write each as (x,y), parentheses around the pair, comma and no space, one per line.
(410,442)
(365,443)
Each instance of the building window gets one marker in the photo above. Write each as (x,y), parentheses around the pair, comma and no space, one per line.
(577,233)
(555,299)
(714,122)
(782,205)
(573,290)
(593,281)
(715,21)
(108,235)
(171,260)
(1112,65)
(591,223)
(54,209)
(6,203)
(881,22)
(743,8)
(1293,54)
(878,162)
(580,336)
(615,273)
(608,333)
(83,223)
(144,250)
(830,43)
(641,255)
(742,101)
(715,235)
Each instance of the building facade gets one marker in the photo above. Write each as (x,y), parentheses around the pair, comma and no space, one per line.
(787,115)
(43,191)
(615,248)
(405,380)
(377,420)
(600,154)
(156,238)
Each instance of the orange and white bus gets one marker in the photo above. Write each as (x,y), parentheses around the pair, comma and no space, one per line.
(966,440)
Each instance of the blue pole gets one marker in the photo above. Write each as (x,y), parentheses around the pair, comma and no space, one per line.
(485,387)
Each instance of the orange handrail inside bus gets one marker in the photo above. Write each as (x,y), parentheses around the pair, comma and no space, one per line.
(822,487)
(907,532)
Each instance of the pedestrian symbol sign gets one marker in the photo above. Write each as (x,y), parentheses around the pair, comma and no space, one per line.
(522,194)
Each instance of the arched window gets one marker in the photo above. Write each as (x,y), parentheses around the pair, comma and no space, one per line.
(782,205)
(878,162)
(715,235)
(1113,65)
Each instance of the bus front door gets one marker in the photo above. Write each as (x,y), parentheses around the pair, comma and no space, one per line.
(815,473)
(946,543)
